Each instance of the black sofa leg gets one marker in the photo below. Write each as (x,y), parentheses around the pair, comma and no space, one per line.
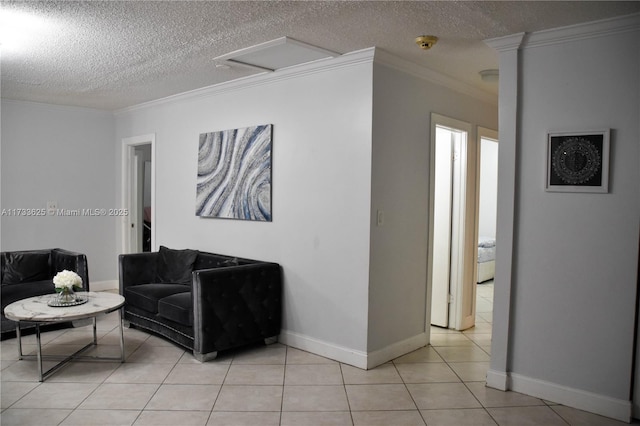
(205,357)
(270,340)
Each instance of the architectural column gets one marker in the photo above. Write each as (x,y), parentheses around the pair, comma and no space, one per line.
(508,119)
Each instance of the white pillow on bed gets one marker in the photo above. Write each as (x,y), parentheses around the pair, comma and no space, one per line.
(486,242)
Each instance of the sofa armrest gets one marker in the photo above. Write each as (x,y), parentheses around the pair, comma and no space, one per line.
(137,268)
(236,305)
(71,261)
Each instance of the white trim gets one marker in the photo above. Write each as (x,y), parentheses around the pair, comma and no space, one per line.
(325,349)
(77,109)
(587,401)
(397,349)
(385,58)
(489,134)
(321,65)
(484,133)
(462,244)
(507,43)
(584,31)
(350,356)
(603,405)
(498,380)
(368,55)
(508,113)
(104,285)
(128,144)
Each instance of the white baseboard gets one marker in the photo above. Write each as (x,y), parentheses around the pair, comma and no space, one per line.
(104,285)
(618,409)
(397,349)
(325,349)
(498,380)
(350,356)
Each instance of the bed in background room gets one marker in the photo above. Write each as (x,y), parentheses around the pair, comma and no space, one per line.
(486,259)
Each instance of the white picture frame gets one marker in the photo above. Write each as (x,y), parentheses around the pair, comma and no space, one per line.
(578,161)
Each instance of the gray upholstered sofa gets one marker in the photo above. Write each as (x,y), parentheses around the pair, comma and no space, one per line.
(30,273)
(202,301)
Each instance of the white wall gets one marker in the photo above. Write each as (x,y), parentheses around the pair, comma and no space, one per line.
(575,256)
(66,155)
(321,162)
(403,103)
(334,304)
(488,202)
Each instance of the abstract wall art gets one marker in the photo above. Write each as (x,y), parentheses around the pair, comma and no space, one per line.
(578,161)
(234,174)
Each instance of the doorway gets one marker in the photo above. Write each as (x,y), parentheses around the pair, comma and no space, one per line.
(487,203)
(450,277)
(138,192)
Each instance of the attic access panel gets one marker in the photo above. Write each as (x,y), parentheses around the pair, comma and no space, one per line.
(275,54)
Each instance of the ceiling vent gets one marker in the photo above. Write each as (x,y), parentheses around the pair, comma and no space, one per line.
(275,54)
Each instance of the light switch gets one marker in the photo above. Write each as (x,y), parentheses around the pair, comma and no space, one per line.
(52,206)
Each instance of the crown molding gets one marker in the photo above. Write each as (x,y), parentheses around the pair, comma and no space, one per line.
(58,107)
(507,43)
(322,65)
(387,59)
(368,55)
(584,31)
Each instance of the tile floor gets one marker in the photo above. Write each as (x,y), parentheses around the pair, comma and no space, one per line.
(161,384)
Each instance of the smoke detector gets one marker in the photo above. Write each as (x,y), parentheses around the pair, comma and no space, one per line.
(489,76)
(426,42)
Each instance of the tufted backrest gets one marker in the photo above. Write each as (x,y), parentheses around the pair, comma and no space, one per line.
(212,260)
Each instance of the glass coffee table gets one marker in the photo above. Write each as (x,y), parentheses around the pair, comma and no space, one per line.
(37,310)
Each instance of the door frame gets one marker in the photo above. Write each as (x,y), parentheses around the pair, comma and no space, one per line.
(128,168)
(462,308)
(481,133)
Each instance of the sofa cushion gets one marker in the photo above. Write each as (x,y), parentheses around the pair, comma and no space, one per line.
(146,296)
(177,308)
(175,266)
(13,293)
(26,266)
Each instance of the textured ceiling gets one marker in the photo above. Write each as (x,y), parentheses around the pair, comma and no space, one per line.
(114,54)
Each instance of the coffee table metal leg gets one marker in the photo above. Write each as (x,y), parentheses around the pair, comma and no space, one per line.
(95,331)
(121,336)
(39,352)
(19,339)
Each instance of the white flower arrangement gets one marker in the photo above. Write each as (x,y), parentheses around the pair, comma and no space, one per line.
(67,280)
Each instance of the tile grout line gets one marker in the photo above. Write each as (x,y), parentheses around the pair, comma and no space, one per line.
(344,386)
(409,392)
(466,386)
(284,380)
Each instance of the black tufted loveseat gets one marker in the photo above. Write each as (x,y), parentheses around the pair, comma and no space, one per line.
(202,301)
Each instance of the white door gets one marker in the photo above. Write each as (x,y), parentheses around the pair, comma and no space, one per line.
(137,199)
(450,272)
(441,253)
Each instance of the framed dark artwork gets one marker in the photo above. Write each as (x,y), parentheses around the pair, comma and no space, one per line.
(234,174)
(578,161)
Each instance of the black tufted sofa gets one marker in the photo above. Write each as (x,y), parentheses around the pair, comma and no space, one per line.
(202,301)
(30,273)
